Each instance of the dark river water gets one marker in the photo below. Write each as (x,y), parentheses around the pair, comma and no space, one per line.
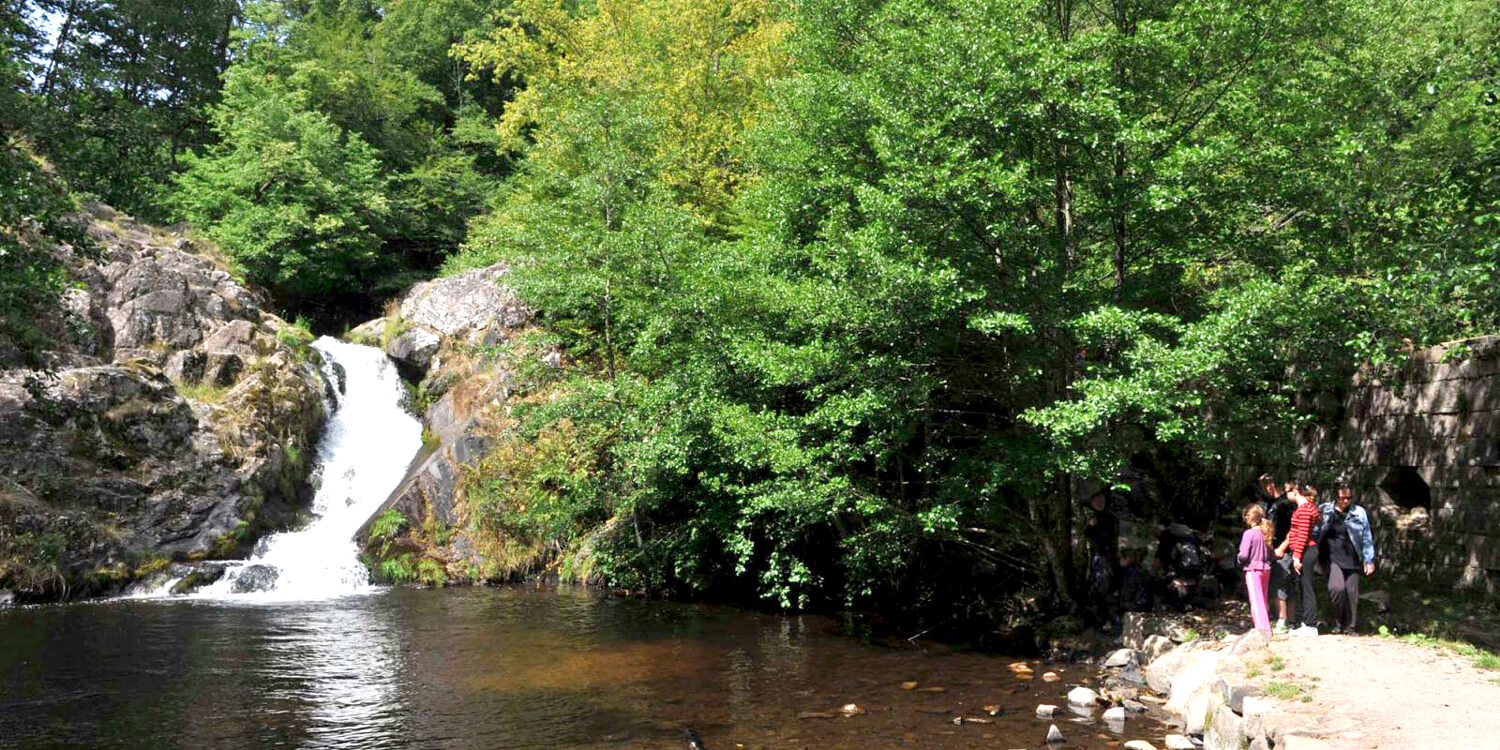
(498,668)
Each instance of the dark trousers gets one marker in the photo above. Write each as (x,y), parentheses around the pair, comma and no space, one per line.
(1309,613)
(1343,595)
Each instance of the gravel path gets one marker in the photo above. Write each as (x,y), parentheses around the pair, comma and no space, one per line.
(1373,693)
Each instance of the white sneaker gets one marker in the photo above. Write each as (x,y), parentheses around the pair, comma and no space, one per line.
(1306,631)
(1279,627)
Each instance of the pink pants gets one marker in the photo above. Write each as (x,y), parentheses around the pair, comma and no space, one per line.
(1257,581)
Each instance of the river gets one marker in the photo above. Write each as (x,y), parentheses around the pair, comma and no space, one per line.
(496,668)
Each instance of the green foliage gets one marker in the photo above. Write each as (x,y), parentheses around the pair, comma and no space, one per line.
(430,572)
(289,196)
(388,525)
(398,569)
(1480,658)
(123,90)
(970,256)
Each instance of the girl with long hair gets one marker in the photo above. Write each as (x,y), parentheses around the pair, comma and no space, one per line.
(1255,559)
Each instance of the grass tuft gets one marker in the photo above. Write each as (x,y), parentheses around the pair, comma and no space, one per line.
(1288,691)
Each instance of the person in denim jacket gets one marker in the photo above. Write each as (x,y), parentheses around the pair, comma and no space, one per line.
(1348,549)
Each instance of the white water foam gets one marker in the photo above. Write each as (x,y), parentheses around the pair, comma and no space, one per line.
(363,455)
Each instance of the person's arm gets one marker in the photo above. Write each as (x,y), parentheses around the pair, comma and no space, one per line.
(1367,543)
(1297,538)
(1245,546)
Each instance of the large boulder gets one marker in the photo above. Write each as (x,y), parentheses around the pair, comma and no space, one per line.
(475,307)
(172,418)
(441,334)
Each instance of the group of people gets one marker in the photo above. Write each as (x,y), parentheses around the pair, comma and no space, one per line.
(1288,536)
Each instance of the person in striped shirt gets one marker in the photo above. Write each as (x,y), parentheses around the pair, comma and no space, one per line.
(1303,547)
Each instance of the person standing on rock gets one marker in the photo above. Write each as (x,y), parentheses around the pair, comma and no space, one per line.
(1348,549)
(1302,548)
(1255,559)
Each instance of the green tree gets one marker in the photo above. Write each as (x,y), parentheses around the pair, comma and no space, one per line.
(125,90)
(34,204)
(290,196)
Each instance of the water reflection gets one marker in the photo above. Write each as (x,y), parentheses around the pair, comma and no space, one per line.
(485,669)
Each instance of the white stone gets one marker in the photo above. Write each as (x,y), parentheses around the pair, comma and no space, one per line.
(1115,714)
(1255,710)
(1201,711)
(1082,696)
(1198,673)
(1179,742)
(1121,657)
(1045,711)
(1161,672)
(1139,745)
(1054,735)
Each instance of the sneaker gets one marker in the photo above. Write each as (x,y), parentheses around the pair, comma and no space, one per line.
(1279,627)
(1306,631)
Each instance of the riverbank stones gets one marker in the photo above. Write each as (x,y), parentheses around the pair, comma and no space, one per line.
(1156,645)
(1082,696)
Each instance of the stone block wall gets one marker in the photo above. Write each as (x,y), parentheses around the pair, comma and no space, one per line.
(1421,445)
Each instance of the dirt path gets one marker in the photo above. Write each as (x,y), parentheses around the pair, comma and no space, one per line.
(1373,693)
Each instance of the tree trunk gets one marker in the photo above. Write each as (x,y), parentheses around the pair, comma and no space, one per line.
(49,79)
(1117,220)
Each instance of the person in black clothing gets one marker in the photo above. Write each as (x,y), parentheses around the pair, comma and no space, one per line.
(1349,549)
(1103,534)
(1283,575)
(1270,492)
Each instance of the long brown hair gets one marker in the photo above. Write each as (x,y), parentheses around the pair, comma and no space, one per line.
(1256,516)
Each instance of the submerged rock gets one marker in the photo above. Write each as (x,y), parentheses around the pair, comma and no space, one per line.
(201,575)
(253,578)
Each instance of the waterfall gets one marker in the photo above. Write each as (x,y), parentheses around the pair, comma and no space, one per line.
(362,457)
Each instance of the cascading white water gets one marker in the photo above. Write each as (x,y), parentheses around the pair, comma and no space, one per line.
(362,456)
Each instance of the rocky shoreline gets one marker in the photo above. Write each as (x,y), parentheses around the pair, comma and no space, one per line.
(1201,684)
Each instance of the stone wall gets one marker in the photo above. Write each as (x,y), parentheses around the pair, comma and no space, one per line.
(1421,445)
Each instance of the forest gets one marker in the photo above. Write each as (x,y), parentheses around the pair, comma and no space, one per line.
(859,297)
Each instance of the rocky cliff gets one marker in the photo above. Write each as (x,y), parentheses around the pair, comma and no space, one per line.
(174,418)
(449,337)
